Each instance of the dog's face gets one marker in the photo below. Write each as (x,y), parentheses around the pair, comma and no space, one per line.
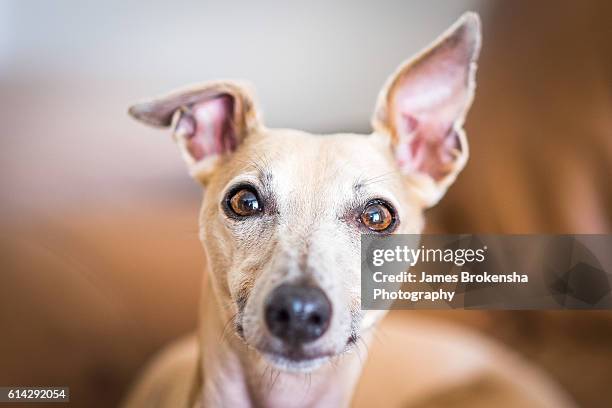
(281,225)
(284,210)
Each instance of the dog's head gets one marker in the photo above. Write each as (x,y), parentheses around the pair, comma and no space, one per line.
(283,210)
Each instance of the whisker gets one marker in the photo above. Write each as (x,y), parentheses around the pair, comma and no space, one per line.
(378,334)
(358,352)
(380,178)
(263,375)
(229,322)
(275,379)
(335,362)
(365,345)
(309,377)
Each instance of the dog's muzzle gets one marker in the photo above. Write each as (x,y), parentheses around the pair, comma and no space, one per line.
(297,314)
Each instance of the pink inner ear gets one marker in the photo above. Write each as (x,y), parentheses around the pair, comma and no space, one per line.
(434,157)
(207,128)
(427,147)
(427,102)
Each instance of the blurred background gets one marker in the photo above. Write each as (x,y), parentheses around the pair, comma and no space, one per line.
(99,255)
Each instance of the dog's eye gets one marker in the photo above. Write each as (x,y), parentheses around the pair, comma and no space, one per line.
(244,202)
(377,216)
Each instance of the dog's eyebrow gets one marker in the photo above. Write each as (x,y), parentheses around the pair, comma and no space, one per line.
(265,178)
(358,185)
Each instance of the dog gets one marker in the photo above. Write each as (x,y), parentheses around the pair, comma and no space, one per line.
(280,225)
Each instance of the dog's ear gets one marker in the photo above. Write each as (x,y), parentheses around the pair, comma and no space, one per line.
(423,105)
(208,121)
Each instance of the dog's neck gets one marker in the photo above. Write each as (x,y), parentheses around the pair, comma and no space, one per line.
(232,375)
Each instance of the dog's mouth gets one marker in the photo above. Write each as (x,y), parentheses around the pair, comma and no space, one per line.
(296,362)
(297,359)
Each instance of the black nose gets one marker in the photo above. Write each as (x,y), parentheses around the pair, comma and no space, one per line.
(297,314)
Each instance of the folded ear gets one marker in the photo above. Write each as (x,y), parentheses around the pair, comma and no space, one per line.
(423,105)
(208,121)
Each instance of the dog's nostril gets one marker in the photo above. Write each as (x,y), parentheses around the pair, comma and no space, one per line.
(315,319)
(297,314)
(283,316)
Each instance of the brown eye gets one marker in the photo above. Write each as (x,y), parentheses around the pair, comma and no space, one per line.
(377,217)
(244,202)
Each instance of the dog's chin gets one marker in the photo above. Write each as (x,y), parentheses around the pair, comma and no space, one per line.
(296,365)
